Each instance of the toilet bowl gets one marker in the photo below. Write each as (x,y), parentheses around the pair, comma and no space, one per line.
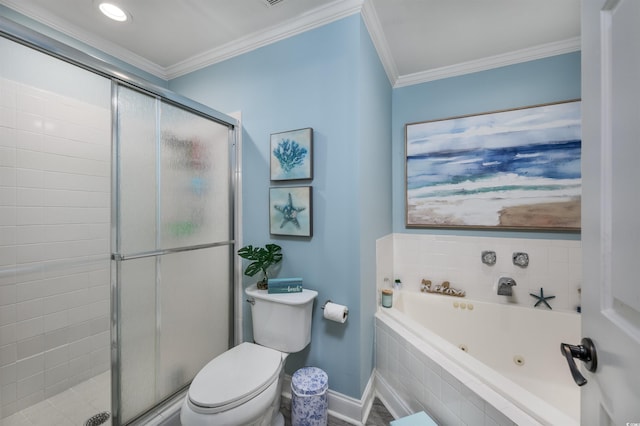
(243,385)
(240,387)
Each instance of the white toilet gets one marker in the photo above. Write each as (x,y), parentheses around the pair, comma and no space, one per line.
(243,385)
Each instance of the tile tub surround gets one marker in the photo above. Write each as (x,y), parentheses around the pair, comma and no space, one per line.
(430,388)
(510,348)
(54,243)
(555,265)
(423,386)
(419,369)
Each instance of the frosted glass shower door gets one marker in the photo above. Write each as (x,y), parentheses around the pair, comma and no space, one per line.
(174,245)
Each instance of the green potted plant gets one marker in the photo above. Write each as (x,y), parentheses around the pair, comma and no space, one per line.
(262,258)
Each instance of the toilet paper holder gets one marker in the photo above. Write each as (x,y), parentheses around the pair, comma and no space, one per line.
(330,301)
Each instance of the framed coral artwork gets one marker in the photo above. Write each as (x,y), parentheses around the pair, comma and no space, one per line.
(292,155)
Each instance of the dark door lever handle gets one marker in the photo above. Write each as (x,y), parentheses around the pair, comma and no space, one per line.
(586,352)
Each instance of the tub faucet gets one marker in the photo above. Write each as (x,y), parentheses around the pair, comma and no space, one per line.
(505,285)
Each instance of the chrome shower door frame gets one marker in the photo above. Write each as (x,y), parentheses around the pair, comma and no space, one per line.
(118,257)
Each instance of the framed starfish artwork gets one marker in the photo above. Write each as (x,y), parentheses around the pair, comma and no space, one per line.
(291,155)
(290,211)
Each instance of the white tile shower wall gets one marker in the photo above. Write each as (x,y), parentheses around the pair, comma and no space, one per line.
(555,265)
(54,243)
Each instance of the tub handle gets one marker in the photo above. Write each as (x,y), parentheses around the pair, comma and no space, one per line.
(586,352)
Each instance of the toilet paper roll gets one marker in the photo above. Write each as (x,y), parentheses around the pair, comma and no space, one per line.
(335,312)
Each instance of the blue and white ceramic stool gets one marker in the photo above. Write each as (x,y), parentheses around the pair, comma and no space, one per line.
(309,404)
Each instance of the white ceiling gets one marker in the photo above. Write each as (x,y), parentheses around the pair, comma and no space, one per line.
(417,40)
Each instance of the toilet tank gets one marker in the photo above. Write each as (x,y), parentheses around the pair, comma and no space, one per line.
(281,321)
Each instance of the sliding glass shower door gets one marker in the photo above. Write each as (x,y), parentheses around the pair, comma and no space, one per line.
(173,248)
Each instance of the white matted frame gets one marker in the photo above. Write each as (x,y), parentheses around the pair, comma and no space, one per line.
(290,211)
(291,155)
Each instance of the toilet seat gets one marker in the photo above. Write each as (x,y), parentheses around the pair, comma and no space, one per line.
(234,377)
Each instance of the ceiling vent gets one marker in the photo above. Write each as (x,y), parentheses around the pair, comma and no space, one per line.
(272,2)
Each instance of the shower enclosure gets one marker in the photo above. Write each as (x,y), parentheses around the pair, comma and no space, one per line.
(116,237)
(173,258)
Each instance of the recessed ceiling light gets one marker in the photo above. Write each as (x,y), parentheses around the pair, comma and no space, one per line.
(114,12)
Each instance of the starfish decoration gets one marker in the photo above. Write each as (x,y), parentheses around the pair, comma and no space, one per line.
(290,213)
(542,298)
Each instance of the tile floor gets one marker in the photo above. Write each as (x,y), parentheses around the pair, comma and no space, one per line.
(74,406)
(378,416)
(69,408)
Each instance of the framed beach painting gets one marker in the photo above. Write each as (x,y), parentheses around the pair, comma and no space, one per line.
(290,211)
(292,155)
(516,169)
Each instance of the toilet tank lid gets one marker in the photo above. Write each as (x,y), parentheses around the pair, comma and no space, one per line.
(300,298)
(235,376)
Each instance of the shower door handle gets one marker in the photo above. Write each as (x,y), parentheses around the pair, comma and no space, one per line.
(586,352)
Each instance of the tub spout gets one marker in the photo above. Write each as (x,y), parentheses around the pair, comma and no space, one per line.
(505,285)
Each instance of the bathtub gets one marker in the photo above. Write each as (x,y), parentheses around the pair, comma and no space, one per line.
(473,362)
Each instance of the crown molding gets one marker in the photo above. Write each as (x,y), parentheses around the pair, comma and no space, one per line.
(87,38)
(497,61)
(318,17)
(314,19)
(371,21)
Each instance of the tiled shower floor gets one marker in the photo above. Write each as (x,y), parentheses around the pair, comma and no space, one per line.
(69,408)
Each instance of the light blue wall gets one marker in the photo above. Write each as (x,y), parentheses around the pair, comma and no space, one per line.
(374,186)
(329,79)
(536,82)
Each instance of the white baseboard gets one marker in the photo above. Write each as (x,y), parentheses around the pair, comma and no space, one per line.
(389,398)
(343,407)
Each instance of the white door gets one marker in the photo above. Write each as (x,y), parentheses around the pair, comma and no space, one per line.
(611,209)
